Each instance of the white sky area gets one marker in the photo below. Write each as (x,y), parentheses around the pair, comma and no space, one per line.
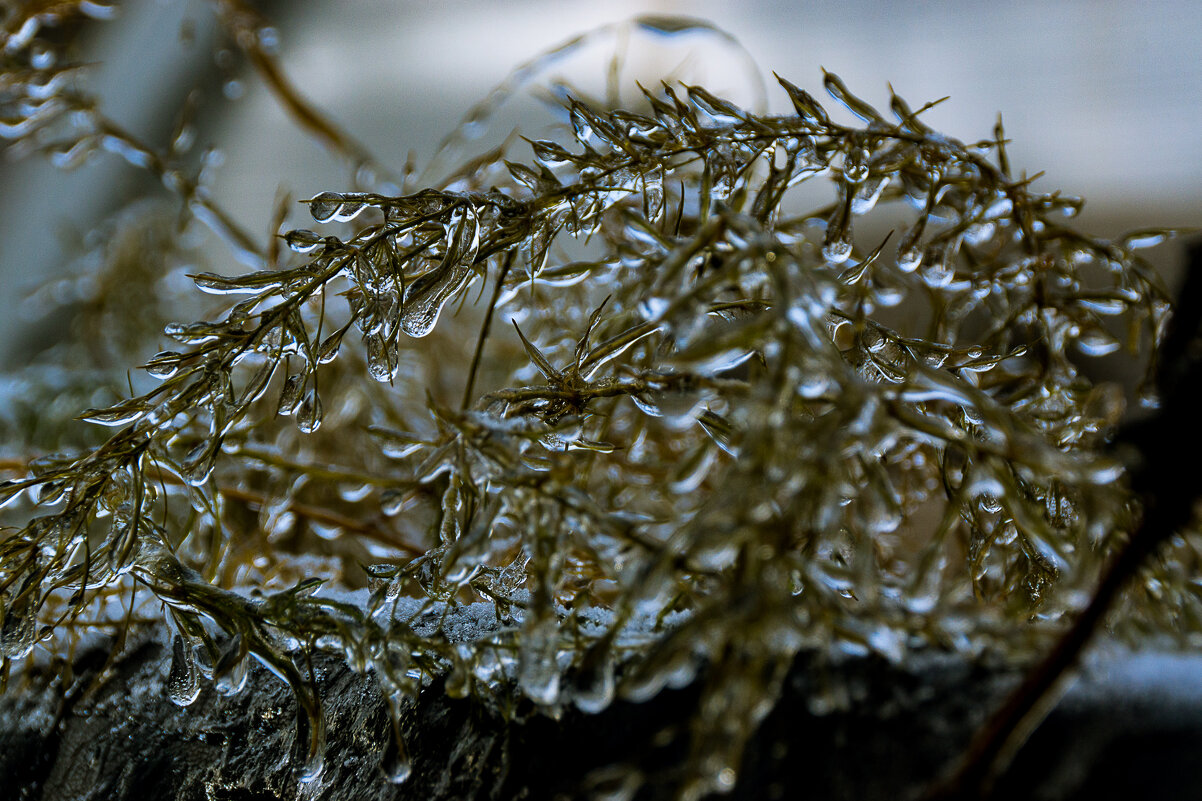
(1102,95)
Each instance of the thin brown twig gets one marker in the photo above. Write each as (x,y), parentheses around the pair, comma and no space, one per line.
(484,329)
(245,25)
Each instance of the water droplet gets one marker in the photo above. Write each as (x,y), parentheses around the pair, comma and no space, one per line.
(98,10)
(20,626)
(1146,239)
(328,350)
(353,492)
(11,491)
(290,394)
(653,199)
(231,678)
(41,56)
(193,333)
(836,248)
(380,577)
(654,308)
(183,679)
(614,783)
(888,296)
(909,250)
(351,207)
(1103,305)
(22,36)
(134,154)
(538,673)
(395,762)
(1096,342)
(938,272)
(199,463)
(678,409)
(213,284)
(593,688)
(116,415)
(309,413)
(888,642)
(71,155)
(979,233)
(51,492)
(692,471)
(310,750)
(382,363)
(164,364)
(458,683)
(552,154)
(1007,533)
(855,165)
(397,444)
(425,297)
(324,206)
(814,384)
(1000,208)
(836,251)
(303,240)
(393,502)
(867,194)
(269,38)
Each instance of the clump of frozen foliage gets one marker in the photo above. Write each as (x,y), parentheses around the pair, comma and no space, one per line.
(661,417)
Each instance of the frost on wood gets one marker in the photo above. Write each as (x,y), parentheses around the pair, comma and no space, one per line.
(628,401)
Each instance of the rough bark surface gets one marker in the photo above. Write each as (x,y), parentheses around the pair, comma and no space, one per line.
(1110,737)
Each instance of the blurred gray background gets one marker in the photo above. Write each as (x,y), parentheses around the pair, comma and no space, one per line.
(1104,96)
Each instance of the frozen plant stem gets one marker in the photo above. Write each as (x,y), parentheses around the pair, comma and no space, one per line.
(715,434)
